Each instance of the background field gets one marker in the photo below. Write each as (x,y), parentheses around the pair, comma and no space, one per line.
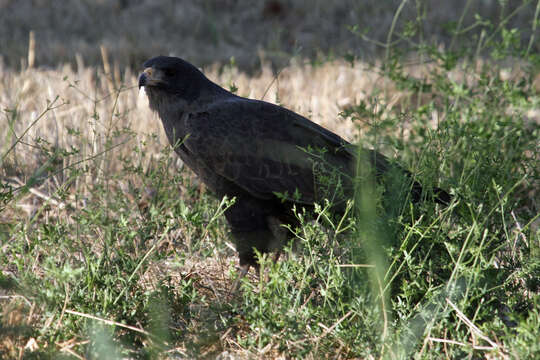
(212,32)
(111,248)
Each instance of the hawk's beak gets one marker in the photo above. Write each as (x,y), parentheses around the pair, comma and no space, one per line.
(149,77)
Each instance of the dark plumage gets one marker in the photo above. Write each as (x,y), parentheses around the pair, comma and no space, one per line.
(266,156)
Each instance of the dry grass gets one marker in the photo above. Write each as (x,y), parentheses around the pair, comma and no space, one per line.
(86,103)
(91,102)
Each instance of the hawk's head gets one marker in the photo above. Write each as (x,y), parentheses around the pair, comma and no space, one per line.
(173,76)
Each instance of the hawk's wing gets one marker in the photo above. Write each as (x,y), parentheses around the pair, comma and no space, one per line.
(266,149)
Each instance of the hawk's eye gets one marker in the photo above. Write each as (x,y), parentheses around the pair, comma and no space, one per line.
(169,72)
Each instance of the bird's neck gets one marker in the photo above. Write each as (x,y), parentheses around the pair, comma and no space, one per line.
(167,104)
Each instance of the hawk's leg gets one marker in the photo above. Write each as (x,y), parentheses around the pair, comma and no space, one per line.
(244,269)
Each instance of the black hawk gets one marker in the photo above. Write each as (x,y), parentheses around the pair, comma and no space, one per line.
(267,157)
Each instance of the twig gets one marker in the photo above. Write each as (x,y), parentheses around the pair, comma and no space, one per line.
(50,106)
(40,194)
(107,68)
(520,229)
(383,308)
(308,299)
(47,198)
(274,79)
(474,329)
(63,307)
(108,322)
(222,337)
(31,49)
(16,296)
(356,265)
(459,343)
(328,330)
(159,242)
(71,352)
(230,246)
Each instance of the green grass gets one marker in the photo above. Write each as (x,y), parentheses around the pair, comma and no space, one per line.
(127,254)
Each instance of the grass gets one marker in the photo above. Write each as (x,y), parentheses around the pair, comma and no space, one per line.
(111,248)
